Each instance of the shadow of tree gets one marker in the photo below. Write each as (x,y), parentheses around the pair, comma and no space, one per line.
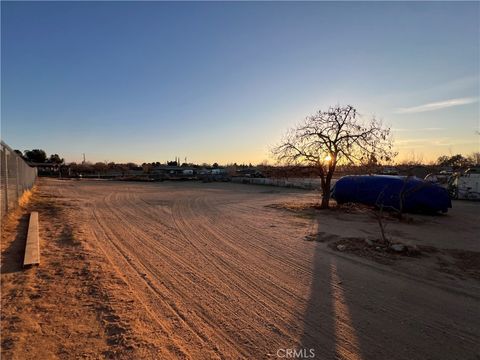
(318,333)
(328,326)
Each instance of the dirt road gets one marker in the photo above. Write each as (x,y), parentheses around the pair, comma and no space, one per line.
(191,270)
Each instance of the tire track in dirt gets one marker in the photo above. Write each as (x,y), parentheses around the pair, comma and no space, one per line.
(109,199)
(227,269)
(230,239)
(226,274)
(145,267)
(235,232)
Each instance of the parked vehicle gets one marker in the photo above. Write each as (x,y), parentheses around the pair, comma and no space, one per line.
(389,170)
(398,193)
(214,175)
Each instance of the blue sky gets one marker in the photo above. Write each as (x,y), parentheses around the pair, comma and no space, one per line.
(218,81)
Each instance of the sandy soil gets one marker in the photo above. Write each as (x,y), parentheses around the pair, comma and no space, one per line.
(214,271)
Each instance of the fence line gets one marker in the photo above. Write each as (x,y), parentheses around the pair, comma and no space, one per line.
(300,183)
(16,176)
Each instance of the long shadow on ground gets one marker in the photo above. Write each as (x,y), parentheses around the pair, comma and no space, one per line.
(12,257)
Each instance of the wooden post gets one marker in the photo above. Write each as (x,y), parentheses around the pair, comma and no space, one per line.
(32,248)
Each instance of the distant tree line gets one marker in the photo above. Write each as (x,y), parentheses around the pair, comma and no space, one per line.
(40,156)
(455,162)
(101,167)
(459,161)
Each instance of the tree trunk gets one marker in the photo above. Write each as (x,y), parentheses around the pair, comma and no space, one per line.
(325,194)
(326,180)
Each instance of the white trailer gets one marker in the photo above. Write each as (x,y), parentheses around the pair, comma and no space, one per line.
(466,186)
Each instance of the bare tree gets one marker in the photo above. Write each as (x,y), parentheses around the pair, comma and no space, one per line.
(335,137)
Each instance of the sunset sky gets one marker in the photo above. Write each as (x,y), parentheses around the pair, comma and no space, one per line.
(221,82)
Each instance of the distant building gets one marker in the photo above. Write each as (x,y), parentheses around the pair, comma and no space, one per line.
(172,172)
(46,168)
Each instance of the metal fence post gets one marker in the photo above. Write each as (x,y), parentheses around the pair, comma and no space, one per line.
(5,163)
(2,180)
(17,178)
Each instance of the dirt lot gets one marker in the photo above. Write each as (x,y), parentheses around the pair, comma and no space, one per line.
(228,271)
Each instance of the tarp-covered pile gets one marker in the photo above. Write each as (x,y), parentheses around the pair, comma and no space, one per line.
(406,194)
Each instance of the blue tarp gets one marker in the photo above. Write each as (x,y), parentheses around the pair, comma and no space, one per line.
(383,190)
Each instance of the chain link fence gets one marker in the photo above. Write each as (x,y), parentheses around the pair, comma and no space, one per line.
(16,176)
